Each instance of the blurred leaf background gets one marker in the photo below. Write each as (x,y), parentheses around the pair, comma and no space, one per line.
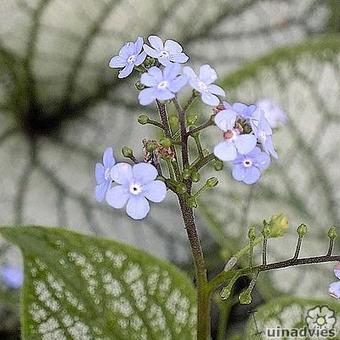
(60,106)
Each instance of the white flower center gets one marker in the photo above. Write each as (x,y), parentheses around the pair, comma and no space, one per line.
(202,86)
(107,174)
(163,84)
(131,59)
(164,54)
(247,163)
(135,189)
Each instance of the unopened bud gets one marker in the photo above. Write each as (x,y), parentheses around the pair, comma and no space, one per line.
(186,173)
(212,182)
(225,292)
(278,225)
(266,232)
(332,233)
(139,86)
(217,164)
(245,297)
(149,61)
(166,142)
(150,147)
(143,119)
(195,176)
(252,234)
(127,152)
(302,230)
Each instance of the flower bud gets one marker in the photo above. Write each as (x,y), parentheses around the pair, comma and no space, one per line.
(150,147)
(166,142)
(186,173)
(192,118)
(266,231)
(332,233)
(245,297)
(127,152)
(211,182)
(181,188)
(277,225)
(252,234)
(149,61)
(302,230)
(225,292)
(143,119)
(139,86)
(195,176)
(217,164)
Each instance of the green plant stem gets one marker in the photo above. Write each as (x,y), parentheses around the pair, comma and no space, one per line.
(203,161)
(209,122)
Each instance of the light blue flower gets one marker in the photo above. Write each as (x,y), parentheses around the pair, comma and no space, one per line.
(162,84)
(247,168)
(170,51)
(234,142)
(203,83)
(11,276)
(130,55)
(272,112)
(136,185)
(103,174)
(242,110)
(334,288)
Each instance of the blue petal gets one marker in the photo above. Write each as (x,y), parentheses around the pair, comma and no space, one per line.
(13,277)
(117,196)
(173,47)
(140,58)
(262,160)
(210,99)
(148,80)
(150,51)
(138,45)
(108,159)
(126,71)
(225,120)
(156,73)
(245,143)
(337,270)
(164,94)
(156,42)
(147,96)
(179,58)
(178,83)
(117,62)
(214,89)
(252,175)
(238,172)
(155,191)
(101,190)
(171,71)
(207,74)
(225,151)
(121,173)
(187,70)
(99,173)
(334,289)
(137,207)
(144,173)
(127,50)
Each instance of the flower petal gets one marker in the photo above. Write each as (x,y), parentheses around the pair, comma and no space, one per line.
(138,45)
(238,172)
(179,58)
(214,89)
(171,71)
(117,196)
(262,160)
(225,120)
(173,47)
(155,191)
(207,74)
(126,71)
(252,175)
(334,290)
(164,94)
(337,270)
(99,173)
(13,277)
(150,51)
(137,207)
(156,42)
(101,190)
(225,151)
(187,70)
(156,73)
(121,173)
(144,173)
(147,96)
(117,62)
(245,143)
(210,99)
(140,58)
(127,50)
(148,80)
(108,159)
(178,83)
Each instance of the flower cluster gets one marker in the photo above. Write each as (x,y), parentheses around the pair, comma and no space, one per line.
(334,288)
(246,130)
(135,185)
(247,140)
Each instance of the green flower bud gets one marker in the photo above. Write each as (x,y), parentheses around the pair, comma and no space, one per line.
(217,164)
(149,61)
(245,297)
(266,231)
(211,182)
(192,118)
(195,176)
(150,147)
(186,173)
(127,152)
(277,225)
(181,188)
(166,142)
(139,86)
(252,233)
(302,230)
(143,119)
(332,233)
(225,292)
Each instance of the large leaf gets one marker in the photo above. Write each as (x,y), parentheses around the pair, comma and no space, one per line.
(65,105)
(304,183)
(291,312)
(80,287)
